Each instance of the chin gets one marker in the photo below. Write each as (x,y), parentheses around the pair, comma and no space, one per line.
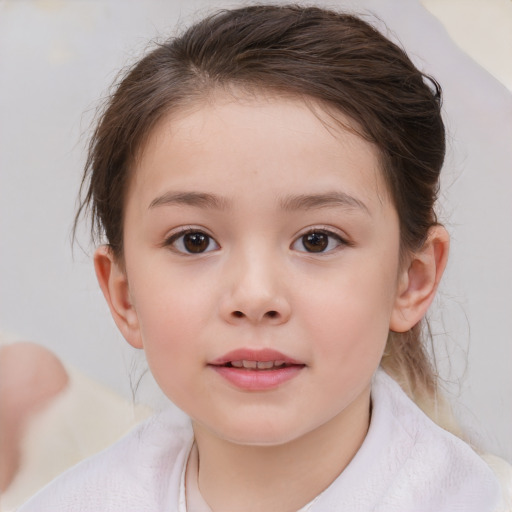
(256,434)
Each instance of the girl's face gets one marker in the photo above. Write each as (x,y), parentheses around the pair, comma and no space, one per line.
(262,267)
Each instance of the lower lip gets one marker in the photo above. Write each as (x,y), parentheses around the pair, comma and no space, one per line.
(258,380)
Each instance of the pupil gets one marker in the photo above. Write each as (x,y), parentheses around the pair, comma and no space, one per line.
(196,242)
(315,242)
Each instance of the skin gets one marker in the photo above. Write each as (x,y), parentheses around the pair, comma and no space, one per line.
(258,286)
(30,378)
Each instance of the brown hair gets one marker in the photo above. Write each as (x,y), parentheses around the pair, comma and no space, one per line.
(334,59)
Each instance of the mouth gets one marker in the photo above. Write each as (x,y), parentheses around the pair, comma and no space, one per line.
(257,370)
(256,359)
(258,365)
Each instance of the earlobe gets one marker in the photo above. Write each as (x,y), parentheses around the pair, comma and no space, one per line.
(419,280)
(114,285)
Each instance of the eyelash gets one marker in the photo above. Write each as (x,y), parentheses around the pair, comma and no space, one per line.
(175,238)
(331,236)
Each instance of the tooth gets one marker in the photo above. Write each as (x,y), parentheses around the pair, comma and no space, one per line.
(237,364)
(250,364)
(265,365)
(279,363)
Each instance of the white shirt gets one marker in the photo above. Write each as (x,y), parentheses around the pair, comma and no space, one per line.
(406,464)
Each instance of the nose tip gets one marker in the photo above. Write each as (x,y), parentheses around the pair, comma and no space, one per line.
(254,289)
(255,309)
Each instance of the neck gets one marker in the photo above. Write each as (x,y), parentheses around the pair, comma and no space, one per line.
(284,477)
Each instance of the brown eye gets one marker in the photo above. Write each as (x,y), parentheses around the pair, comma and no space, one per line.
(315,242)
(318,241)
(196,242)
(192,242)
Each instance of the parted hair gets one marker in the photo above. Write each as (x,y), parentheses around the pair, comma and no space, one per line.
(332,59)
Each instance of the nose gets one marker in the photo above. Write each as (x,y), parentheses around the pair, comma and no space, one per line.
(255,292)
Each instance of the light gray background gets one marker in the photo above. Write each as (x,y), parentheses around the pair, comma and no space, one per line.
(57,58)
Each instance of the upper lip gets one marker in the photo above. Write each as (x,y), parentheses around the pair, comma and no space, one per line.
(246,354)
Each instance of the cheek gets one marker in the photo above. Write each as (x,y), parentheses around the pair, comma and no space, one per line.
(172,311)
(353,323)
(169,321)
(164,295)
(170,327)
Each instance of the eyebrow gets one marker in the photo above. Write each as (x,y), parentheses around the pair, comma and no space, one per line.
(289,203)
(197,199)
(327,200)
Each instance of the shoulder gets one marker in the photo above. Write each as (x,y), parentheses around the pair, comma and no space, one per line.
(135,474)
(407,462)
(443,471)
(434,470)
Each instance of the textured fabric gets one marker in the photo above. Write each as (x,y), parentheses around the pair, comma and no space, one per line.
(406,464)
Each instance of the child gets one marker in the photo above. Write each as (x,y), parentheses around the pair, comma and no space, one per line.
(265,186)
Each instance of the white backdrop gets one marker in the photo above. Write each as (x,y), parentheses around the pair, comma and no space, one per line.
(57,58)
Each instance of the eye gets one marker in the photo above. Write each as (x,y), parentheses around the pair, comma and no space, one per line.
(192,242)
(318,241)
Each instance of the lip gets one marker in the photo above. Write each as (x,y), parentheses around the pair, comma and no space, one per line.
(254,379)
(264,354)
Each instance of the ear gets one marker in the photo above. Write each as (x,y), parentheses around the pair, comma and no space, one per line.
(114,285)
(419,280)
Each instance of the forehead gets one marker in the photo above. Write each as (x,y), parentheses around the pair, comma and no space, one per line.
(263,141)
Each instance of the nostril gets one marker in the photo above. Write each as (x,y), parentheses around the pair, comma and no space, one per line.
(268,314)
